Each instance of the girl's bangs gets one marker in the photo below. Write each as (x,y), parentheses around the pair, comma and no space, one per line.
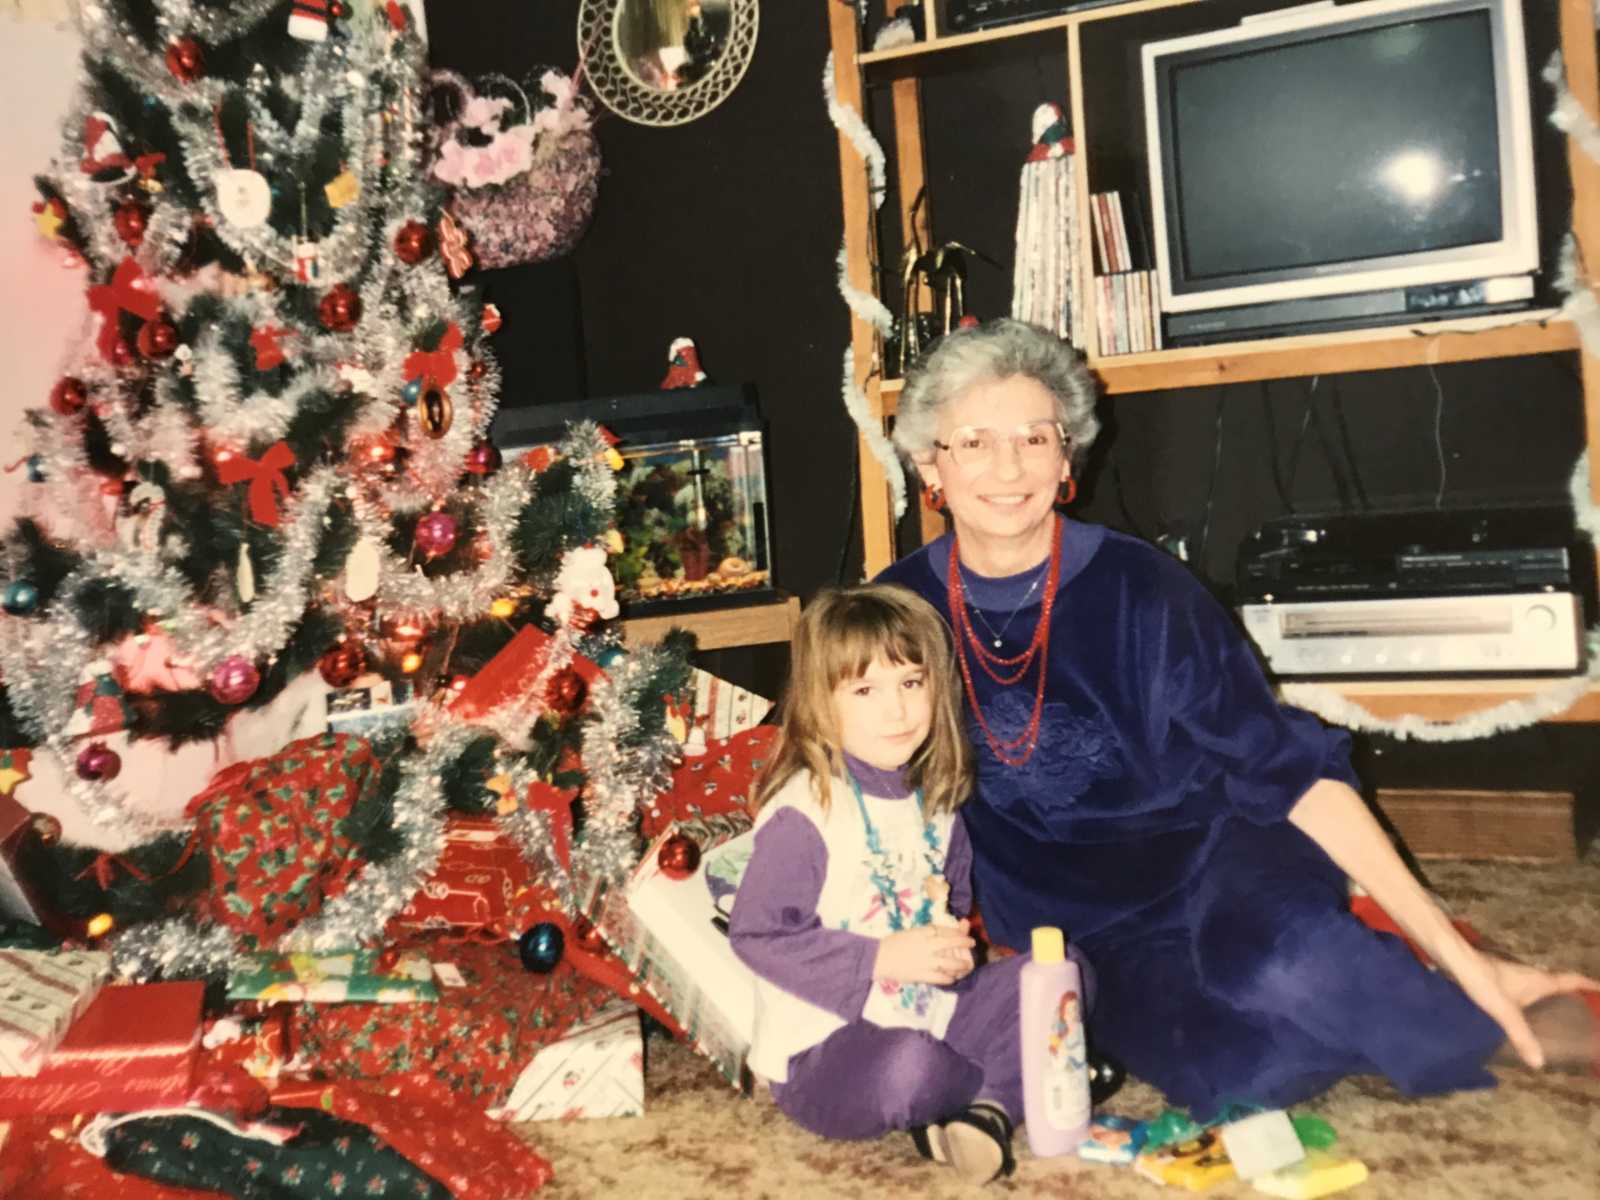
(862,641)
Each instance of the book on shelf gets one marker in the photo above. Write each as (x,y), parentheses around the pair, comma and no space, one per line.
(1127,312)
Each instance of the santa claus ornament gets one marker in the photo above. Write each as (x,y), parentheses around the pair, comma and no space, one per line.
(683,365)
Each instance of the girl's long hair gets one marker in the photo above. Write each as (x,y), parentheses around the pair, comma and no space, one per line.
(841,632)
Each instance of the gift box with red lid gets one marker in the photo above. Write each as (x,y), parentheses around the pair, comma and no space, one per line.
(135,1047)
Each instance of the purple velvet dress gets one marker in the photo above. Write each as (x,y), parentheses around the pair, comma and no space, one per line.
(1151,824)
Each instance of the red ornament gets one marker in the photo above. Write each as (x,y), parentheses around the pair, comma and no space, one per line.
(483,459)
(68,396)
(477,370)
(129,221)
(413,243)
(340,309)
(340,666)
(436,534)
(185,60)
(565,693)
(122,354)
(158,338)
(491,319)
(678,857)
(98,763)
(235,679)
(337,11)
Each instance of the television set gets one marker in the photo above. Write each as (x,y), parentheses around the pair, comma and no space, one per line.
(1340,166)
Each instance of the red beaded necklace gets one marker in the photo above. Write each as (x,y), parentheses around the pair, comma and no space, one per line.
(1019,750)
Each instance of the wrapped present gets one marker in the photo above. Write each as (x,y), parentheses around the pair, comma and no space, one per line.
(671,936)
(372,709)
(597,1070)
(381,977)
(503,692)
(273,829)
(1194,1164)
(717,710)
(99,706)
(482,882)
(135,1047)
(719,781)
(474,1041)
(21,848)
(42,992)
(261,1045)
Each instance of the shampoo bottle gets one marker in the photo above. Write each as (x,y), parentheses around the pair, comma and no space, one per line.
(1055,1072)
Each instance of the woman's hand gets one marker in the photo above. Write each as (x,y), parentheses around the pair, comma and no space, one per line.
(1504,989)
(927,954)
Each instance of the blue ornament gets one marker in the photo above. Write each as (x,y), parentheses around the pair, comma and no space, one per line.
(21,598)
(412,390)
(541,947)
(35,469)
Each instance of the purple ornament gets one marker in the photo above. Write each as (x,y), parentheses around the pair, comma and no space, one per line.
(235,679)
(98,762)
(436,534)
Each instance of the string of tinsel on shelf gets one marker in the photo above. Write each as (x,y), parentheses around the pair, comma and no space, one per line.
(863,304)
(1580,306)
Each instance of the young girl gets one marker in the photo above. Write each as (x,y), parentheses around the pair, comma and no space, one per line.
(870,1015)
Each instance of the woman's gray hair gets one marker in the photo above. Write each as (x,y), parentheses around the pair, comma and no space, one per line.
(987,353)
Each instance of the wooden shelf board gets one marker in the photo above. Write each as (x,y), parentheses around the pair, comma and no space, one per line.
(1538,331)
(1449,699)
(956,41)
(718,628)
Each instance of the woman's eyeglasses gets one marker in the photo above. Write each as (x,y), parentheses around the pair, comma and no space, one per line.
(976,446)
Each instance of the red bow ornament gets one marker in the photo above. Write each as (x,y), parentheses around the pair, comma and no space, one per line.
(101,155)
(128,291)
(265,477)
(437,367)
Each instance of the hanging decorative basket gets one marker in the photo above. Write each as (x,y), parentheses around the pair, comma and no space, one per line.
(524,172)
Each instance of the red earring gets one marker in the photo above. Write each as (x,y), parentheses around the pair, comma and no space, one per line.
(933,497)
(1068,492)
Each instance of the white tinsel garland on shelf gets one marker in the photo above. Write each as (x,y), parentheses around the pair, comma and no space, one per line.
(863,304)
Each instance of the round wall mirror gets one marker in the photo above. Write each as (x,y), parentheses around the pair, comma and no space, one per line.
(665,62)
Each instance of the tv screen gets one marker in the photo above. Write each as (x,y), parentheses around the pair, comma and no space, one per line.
(1376,145)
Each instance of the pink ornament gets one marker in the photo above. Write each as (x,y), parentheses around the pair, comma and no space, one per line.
(235,679)
(97,762)
(436,534)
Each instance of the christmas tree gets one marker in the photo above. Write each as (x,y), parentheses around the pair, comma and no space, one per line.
(265,471)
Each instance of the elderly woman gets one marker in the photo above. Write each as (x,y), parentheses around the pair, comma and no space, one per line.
(1140,786)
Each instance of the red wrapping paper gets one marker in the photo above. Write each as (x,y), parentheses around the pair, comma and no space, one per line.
(135,1047)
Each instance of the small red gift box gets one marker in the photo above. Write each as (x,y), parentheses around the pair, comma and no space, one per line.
(475,886)
(507,677)
(134,1048)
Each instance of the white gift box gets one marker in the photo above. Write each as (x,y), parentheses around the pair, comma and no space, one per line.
(671,935)
(41,993)
(597,1070)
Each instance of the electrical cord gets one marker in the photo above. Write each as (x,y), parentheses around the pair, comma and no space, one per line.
(1438,435)
(1211,489)
(1345,445)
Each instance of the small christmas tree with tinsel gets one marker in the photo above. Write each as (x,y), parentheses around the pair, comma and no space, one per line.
(265,471)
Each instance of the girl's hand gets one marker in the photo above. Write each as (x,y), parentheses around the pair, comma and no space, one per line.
(1504,989)
(927,954)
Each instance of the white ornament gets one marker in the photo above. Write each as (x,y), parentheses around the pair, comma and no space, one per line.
(245,579)
(243,197)
(361,571)
(308,20)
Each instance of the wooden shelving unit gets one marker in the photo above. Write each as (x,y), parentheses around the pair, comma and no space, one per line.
(1467,340)
(719,628)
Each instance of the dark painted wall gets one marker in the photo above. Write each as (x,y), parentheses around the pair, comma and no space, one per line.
(725,230)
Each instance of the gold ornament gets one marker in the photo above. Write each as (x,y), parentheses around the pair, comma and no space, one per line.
(344,188)
(613,541)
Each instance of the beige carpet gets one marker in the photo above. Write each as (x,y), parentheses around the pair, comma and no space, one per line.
(1533,1138)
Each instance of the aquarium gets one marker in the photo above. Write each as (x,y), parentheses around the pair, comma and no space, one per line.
(691,495)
